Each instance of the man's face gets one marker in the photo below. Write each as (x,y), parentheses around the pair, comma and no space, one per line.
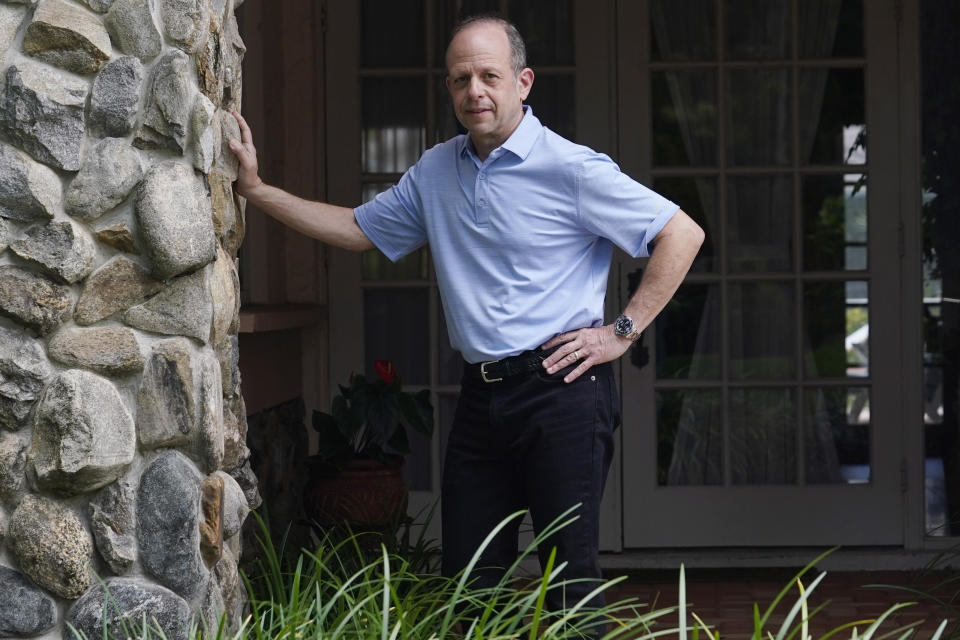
(487,96)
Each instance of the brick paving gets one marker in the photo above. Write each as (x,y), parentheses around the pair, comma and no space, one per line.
(724,598)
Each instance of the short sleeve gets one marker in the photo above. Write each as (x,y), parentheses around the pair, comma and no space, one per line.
(613,205)
(394,219)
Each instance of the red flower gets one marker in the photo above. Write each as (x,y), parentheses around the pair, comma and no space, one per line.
(385,370)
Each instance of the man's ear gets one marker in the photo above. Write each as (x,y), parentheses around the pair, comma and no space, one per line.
(525,82)
(446,81)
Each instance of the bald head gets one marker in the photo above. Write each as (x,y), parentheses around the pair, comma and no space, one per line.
(518,50)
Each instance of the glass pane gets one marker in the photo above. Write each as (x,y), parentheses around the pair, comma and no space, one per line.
(683,30)
(836,422)
(830,28)
(684,107)
(688,334)
(762,331)
(448,14)
(447,125)
(393,33)
(547,28)
(689,437)
(837,324)
(763,436)
(760,224)
(393,132)
(832,116)
(758,117)
(940,166)
(418,465)
(449,362)
(552,102)
(446,409)
(376,266)
(834,222)
(396,328)
(757,29)
(699,198)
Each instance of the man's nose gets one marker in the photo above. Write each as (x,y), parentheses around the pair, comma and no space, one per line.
(475,88)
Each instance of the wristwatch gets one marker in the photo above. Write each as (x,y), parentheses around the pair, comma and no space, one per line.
(623,327)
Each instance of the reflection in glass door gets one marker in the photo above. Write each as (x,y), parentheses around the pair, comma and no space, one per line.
(762,367)
(940,166)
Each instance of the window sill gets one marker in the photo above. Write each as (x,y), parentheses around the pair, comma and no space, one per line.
(261,318)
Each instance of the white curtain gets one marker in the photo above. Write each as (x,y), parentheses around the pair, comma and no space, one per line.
(764,141)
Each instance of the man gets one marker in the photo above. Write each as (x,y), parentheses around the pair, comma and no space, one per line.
(521,225)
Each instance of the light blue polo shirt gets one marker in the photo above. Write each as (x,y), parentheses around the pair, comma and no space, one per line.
(521,242)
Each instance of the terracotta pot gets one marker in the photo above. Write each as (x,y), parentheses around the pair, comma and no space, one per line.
(365,494)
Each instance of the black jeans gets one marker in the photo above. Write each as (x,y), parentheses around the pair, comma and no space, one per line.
(531,441)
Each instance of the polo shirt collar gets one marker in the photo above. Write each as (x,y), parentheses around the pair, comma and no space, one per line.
(520,142)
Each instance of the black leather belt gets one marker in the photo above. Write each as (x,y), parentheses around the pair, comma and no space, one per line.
(498,370)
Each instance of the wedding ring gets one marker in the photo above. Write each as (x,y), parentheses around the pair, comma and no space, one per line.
(576,355)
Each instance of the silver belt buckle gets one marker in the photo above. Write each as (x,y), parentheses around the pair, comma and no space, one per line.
(483,372)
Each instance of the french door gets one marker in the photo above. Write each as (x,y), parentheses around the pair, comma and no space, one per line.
(762,409)
(769,411)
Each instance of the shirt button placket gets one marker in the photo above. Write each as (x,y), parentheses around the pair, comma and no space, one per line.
(480,197)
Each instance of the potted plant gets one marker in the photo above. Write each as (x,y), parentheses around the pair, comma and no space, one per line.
(356,476)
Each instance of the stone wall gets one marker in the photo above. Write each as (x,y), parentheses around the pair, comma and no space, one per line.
(122,429)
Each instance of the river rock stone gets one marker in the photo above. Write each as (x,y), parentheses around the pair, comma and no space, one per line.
(219,59)
(25,610)
(100,6)
(227,161)
(211,522)
(228,578)
(108,173)
(169,103)
(168,508)
(228,355)
(128,602)
(4,235)
(62,247)
(235,507)
(186,22)
(182,309)
(112,351)
(11,17)
(67,36)
(84,437)
(51,546)
(225,294)
(212,608)
(166,405)
(119,236)
(210,418)
(112,523)
(206,133)
(41,111)
(247,480)
(228,221)
(235,451)
(33,300)
(23,371)
(131,27)
(13,466)
(115,286)
(175,220)
(29,191)
(114,98)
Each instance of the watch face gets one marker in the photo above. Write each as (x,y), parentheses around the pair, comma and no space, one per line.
(623,326)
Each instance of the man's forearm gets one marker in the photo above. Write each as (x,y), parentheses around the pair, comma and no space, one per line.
(676,247)
(328,223)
